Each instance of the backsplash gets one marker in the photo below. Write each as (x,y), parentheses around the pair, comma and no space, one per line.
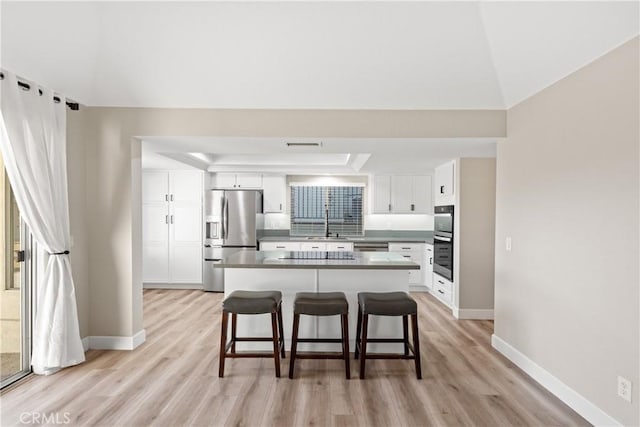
(398,222)
(371,222)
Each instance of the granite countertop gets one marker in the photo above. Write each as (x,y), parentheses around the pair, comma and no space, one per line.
(379,236)
(318,260)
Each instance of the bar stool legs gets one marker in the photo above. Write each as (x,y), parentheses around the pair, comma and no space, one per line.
(294,344)
(344,321)
(387,304)
(356,353)
(234,319)
(281,330)
(416,344)
(251,303)
(320,304)
(276,350)
(362,340)
(223,343)
(405,334)
(363,344)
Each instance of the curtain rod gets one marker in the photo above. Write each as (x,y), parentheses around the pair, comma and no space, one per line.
(72,105)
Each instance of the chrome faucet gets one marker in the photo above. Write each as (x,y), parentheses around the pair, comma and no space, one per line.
(326,222)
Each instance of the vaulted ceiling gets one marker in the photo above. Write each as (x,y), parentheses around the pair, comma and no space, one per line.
(326,55)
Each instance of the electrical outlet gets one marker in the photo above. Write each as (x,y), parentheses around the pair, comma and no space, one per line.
(507,244)
(624,389)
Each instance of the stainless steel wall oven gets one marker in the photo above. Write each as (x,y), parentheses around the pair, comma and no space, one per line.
(443,242)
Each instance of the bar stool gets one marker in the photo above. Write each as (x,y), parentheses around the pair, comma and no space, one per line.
(251,302)
(387,304)
(320,304)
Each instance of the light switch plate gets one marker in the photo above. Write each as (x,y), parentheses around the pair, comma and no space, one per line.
(507,244)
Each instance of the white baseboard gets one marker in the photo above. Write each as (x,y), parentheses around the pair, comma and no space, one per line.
(172,286)
(139,338)
(473,314)
(572,398)
(113,342)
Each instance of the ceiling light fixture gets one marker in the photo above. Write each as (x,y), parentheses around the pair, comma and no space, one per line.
(304,144)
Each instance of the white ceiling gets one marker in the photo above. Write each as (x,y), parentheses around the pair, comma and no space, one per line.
(336,155)
(297,55)
(326,55)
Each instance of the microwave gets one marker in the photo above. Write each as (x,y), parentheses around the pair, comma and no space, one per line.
(443,220)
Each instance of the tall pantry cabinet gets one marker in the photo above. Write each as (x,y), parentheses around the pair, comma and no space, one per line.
(172,226)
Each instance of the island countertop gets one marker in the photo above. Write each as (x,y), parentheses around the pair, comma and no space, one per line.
(318,260)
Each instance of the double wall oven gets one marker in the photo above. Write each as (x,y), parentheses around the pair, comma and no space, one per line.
(443,242)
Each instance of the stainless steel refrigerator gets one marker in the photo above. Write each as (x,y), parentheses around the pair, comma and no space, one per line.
(231,226)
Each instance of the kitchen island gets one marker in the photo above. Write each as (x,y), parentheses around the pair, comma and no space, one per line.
(291,272)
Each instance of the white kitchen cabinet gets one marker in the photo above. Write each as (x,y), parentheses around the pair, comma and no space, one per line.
(422,194)
(279,246)
(274,193)
(185,186)
(382,194)
(155,187)
(310,246)
(172,227)
(185,248)
(443,289)
(340,246)
(313,246)
(402,194)
(427,276)
(238,180)
(155,242)
(444,184)
(414,253)
(248,180)
(225,180)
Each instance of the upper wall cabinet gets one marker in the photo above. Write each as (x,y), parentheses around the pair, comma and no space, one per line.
(274,189)
(422,194)
(382,194)
(444,186)
(238,180)
(405,194)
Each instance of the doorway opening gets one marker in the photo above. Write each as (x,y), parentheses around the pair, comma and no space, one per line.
(15,292)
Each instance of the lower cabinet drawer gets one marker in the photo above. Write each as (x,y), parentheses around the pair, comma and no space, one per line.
(442,293)
(313,247)
(280,246)
(442,283)
(339,247)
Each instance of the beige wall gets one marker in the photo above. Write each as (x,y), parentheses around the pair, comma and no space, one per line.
(567,193)
(475,235)
(77,178)
(112,224)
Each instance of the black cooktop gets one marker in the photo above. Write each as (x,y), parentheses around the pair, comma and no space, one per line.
(319,255)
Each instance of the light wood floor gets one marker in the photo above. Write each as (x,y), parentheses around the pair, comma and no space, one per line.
(171,380)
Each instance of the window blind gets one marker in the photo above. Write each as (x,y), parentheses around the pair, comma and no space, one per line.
(309,205)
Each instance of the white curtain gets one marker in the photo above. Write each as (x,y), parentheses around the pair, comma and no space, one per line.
(33,145)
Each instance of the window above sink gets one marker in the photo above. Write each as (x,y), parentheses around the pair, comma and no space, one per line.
(315,207)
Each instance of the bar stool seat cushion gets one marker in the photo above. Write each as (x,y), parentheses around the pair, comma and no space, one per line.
(252,302)
(387,303)
(320,303)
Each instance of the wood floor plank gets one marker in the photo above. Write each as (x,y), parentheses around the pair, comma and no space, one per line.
(171,380)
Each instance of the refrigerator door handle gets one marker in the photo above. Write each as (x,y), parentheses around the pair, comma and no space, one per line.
(223,235)
(225,218)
